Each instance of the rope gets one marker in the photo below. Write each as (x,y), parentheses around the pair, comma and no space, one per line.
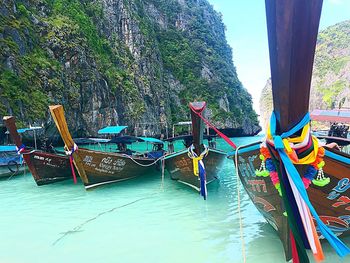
(227,139)
(192,154)
(143,165)
(163,171)
(30,152)
(239,206)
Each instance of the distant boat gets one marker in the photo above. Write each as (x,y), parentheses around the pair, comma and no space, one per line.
(45,167)
(273,185)
(180,164)
(10,162)
(339,128)
(98,168)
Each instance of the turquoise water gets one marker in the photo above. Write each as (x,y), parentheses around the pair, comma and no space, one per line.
(142,220)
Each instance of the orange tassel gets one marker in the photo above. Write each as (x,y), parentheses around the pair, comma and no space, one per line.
(319,256)
(264,151)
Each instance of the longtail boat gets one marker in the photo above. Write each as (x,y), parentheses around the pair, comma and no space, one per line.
(197,165)
(300,187)
(45,167)
(10,162)
(339,128)
(98,168)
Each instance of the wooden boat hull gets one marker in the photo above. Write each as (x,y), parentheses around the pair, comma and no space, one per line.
(332,202)
(10,164)
(180,167)
(48,168)
(11,170)
(106,167)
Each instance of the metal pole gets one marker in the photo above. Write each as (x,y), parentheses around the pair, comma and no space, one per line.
(34,139)
(166,130)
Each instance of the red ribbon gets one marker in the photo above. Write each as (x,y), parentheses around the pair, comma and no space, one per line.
(294,248)
(227,139)
(72,167)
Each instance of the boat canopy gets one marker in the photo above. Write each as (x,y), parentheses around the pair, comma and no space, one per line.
(7,148)
(90,140)
(29,129)
(151,140)
(124,139)
(131,139)
(112,129)
(189,137)
(331,115)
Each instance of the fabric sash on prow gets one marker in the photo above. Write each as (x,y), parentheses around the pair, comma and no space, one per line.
(292,32)
(57,114)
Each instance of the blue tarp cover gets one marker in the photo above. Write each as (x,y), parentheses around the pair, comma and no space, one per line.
(112,129)
(8,148)
(28,129)
(150,139)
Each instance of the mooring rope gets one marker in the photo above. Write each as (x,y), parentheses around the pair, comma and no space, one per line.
(239,206)
(143,165)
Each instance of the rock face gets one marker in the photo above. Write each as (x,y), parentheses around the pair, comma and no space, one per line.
(330,86)
(108,62)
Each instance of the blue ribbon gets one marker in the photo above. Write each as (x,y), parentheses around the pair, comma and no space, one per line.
(203,182)
(341,249)
(19,149)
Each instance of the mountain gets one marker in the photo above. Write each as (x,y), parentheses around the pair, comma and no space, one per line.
(330,86)
(126,62)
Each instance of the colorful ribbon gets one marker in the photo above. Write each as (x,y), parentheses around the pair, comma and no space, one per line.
(199,168)
(298,190)
(71,159)
(19,150)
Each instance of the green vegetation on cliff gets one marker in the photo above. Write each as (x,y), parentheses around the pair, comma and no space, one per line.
(127,58)
(330,87)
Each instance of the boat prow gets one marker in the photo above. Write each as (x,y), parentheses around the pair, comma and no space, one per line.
(97,168)
(45,167)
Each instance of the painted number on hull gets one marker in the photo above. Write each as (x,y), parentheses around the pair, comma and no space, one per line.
(257,185)
(247,169)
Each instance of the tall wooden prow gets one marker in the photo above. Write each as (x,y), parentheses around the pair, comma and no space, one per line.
(292,31)
(10,123)
(197,125)
(57,114)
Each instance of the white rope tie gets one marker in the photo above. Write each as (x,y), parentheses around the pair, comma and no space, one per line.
(192,154)
(70,152)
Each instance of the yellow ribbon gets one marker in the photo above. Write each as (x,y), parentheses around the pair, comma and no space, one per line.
(288,145)
(195,161)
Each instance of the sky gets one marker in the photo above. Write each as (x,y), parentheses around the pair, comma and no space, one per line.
(246,33)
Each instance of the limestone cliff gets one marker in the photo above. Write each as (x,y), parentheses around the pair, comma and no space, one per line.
(127,62)
(330,86)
